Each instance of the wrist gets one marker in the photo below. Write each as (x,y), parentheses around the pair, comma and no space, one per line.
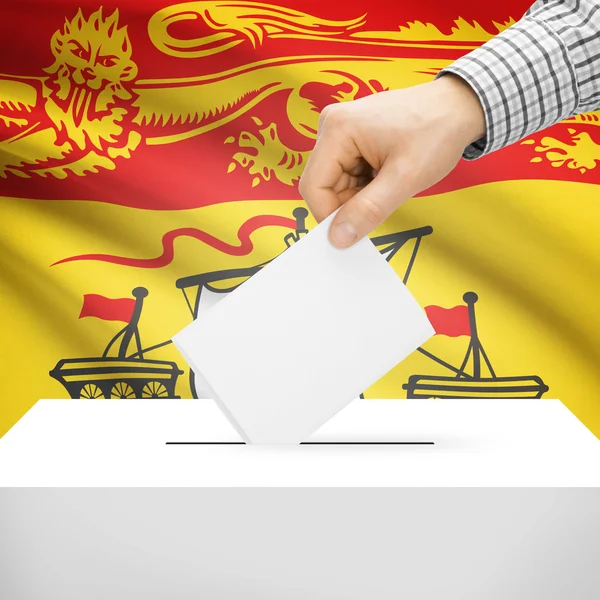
(464,108)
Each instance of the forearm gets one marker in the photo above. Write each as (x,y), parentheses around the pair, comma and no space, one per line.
(540,71)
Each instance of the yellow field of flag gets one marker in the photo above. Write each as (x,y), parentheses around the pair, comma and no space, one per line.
(149,160)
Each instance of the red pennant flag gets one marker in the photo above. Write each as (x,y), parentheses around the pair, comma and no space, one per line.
(108,309)
(452,322)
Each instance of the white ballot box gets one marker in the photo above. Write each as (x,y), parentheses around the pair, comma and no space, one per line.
(159,499)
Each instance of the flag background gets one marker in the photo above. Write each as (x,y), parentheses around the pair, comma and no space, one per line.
(521,228)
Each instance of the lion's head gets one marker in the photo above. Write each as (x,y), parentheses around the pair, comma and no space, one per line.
(88,90)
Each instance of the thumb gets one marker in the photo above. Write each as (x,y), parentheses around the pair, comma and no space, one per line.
(367,209)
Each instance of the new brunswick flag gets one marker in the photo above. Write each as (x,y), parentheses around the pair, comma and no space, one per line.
(149,160)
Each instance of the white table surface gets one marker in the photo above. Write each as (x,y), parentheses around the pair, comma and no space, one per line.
(476,443)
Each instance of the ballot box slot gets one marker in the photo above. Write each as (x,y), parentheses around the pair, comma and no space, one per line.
(367,443)
(375,443)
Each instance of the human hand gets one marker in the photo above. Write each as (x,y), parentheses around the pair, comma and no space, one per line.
(373,154)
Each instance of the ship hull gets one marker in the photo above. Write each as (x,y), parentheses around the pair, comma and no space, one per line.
(425,387)
(96,378)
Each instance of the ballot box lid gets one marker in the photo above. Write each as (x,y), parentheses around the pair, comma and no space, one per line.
(371,443)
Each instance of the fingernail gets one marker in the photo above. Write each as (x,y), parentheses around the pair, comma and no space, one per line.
(344,235)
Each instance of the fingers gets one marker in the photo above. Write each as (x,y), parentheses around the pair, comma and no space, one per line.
(327,175)
(334,166)
(368,208)
(317,184)
(349,181)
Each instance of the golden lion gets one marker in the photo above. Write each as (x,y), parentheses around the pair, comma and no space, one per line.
(91,109)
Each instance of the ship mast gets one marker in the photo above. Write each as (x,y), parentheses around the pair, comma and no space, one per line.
(475,345)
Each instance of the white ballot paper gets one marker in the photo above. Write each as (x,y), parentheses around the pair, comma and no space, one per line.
(303,337)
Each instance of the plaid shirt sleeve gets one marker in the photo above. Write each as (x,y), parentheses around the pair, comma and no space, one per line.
(542,70)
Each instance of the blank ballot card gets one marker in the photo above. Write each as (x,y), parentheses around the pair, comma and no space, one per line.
(303,337)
